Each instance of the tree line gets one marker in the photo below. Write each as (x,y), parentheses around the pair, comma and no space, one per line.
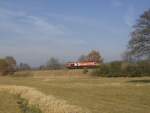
(54,63)
(136,59)
(8,65)
(135,62)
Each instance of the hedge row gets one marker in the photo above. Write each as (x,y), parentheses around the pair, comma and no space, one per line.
(123,69)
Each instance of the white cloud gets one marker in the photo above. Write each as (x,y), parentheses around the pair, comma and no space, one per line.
(34,39)
(23,24)
(29,37)
(79,20)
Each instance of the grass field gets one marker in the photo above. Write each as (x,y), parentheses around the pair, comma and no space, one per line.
(8,103)
(98,95)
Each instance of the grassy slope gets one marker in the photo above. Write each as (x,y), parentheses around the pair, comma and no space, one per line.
(8,103)
(99,95)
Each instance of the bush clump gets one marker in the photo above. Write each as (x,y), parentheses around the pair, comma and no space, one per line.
(123,69)
(26,108)
(3,67)
(7,66)
(85,71)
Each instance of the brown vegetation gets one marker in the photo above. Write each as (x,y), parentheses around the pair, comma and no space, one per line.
(47,104)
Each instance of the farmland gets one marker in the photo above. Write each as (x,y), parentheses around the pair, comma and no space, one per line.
(94,94)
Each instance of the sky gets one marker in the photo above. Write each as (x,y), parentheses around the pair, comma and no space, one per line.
(32,31)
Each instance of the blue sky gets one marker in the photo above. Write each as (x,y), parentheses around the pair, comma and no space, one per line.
(34,30)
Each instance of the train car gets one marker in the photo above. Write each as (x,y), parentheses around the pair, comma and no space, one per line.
(79,65)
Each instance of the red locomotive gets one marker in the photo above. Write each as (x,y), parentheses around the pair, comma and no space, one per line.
(86,64)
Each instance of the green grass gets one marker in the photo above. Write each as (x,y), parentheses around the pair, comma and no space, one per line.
(99,95)
(8,103)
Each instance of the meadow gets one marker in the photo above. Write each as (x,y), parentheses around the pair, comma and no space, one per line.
(77,90)
(8,103)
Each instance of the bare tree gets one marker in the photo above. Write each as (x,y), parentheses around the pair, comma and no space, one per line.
(24,66)
(82,58)
(12,64)
(53,63)
(94,56)
(3,67)
(139,45)
(127,57)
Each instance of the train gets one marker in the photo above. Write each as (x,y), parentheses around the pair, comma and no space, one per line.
(80,65)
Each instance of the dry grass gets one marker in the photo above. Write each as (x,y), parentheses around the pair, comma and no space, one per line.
(59,73)
(47,104)
(99,95)
(9,101)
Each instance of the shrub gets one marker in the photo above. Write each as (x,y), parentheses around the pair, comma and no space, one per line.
(101,71)
(123,69)
(7,66)
(85,71)
(11,64)
(114,69)
(3,67)
(132,70)
(26,108)
(144,67)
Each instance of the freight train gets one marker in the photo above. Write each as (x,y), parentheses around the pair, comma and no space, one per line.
(79,65)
